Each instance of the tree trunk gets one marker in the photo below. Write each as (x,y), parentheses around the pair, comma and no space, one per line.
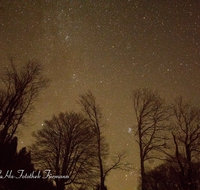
(60,185)
(102,185)
(142,172)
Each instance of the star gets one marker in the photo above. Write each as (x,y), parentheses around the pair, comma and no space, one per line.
(129,130)
(109,48)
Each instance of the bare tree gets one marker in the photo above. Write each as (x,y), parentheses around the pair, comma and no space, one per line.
(186,140)
(151,115)
(67,146)
(94,114)
(20,89)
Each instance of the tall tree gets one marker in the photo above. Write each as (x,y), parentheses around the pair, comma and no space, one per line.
(186,140)
(20,89)
(151,115)
(66,145)
(93,113)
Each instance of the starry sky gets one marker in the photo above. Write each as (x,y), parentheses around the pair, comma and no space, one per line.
(110,47)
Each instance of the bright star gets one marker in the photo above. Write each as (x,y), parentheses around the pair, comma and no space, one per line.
(129,130)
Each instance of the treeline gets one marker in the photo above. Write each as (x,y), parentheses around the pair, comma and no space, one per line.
(169,133)
(70,151)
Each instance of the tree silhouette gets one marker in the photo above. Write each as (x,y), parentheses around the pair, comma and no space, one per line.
(21,87)
(93,112)
(66,145)
(151,115)
(185,140)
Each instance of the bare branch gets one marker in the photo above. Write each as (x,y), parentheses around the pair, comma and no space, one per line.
(67,146)
(17,97)
(152,116)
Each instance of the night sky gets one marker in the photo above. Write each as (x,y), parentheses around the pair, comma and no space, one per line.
(110,47)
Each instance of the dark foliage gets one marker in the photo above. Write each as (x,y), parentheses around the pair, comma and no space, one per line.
(168,176)
(12,163)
